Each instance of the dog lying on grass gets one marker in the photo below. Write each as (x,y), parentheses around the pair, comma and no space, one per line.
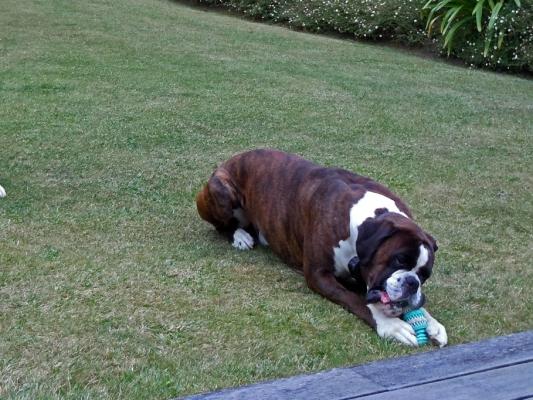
(354,241)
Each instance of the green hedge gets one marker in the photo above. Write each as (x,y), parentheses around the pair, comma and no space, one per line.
(367,19)
(400,21)
(516,51)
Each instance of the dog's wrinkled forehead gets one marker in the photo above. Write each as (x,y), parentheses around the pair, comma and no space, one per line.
(416,260)
(390,242)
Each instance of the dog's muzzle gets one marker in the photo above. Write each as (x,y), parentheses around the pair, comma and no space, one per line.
(402,285)
(400,292)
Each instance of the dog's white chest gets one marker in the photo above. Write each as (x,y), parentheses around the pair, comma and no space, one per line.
(343,254)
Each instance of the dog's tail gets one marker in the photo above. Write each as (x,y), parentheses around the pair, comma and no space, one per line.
(2,192)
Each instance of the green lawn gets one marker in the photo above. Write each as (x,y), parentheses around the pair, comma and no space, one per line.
(112,116)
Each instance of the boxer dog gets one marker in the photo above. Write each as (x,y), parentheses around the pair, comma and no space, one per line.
(354,240)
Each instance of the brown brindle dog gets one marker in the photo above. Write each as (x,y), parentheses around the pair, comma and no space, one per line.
(352,238)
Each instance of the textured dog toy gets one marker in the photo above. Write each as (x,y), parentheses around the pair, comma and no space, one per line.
(418,321)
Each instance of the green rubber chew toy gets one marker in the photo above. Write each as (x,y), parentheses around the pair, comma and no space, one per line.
(418,321)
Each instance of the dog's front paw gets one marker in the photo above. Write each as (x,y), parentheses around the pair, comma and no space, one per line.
(437,332)
(242,240)
(392,327)
(397,329)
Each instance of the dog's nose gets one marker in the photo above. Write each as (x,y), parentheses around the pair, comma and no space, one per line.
(412,283)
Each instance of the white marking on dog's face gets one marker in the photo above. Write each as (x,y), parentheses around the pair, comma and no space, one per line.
(397,286)
(242,240)
(365,208)
(405,286)
(2,192)
(423,258)
(393,328)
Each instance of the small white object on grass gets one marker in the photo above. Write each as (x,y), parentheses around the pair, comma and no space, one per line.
(2,192)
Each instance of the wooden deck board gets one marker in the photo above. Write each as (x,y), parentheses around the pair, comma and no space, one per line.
(500,368)
(513,382)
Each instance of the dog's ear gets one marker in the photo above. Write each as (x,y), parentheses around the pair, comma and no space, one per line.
(430,240)
(433,242)
(202,205)
(223,197)
(371,234)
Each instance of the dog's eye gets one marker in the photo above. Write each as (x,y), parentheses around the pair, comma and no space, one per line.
(400,260)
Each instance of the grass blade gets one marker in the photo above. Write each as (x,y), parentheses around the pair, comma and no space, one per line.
(494,15)
(430,21)
(445,20)
(427,5)
(487,45)
(500,39)
(431,24)
(448,40)
(442,4)
(478,11)
(452,17)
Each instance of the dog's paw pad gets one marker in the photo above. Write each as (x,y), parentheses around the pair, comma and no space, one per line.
(242,240)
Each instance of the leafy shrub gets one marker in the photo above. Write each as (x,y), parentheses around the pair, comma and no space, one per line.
(508,44)
(398,20)
(462,14)
(366,19)
(514,27)
(495,34)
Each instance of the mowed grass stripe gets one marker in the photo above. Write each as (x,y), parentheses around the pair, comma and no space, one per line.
(112,116)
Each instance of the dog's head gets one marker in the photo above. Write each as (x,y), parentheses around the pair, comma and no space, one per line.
(396,257)
(216,201)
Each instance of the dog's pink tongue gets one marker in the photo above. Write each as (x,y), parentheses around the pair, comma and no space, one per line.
(385,299)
